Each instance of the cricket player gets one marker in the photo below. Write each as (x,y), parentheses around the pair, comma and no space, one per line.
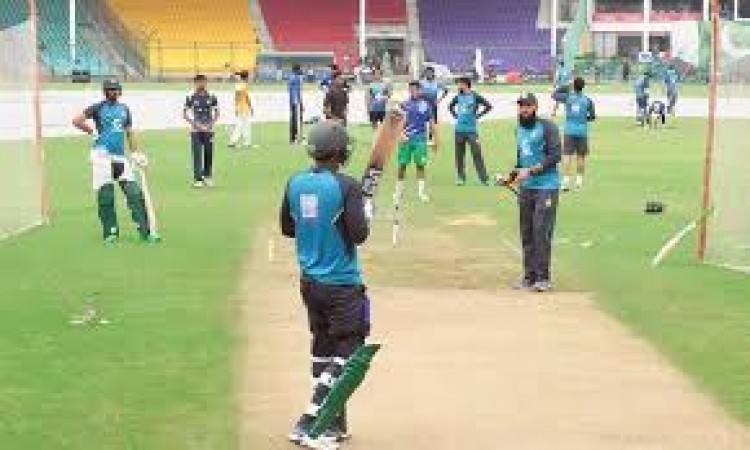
(465,108)
(336,102)
(657,113)
(377,98)
(563,80)
(325,83)
(538,154)
(579,111)
(641,87)
(671,81)
(201,112)
(434,91)
(323,211)
(113,125)
(296,107)
(243,112)
(419,122)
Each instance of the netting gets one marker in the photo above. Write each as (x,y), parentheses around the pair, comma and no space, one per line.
(21,191)
(728,229)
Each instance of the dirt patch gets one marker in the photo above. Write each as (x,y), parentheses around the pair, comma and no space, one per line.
(467,369)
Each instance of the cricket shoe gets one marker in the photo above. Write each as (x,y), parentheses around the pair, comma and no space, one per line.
(460,182)
(298,433)
(151,238)
(208,182)
(424,198)
(111,240)
(542,286)
(198,184)
(523,284)
(322,442)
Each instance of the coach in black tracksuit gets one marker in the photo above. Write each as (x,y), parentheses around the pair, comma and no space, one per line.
(201,112)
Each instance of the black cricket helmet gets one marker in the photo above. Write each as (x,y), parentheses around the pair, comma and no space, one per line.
(329,140)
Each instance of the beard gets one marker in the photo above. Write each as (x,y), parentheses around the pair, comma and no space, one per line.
(111,96)
(527,121)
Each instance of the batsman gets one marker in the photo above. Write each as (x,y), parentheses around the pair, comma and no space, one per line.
(112,126)
(322,209)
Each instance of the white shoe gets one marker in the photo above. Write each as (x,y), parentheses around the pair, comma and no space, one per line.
(323,442)
(208,182)
(198,184)
(424,197)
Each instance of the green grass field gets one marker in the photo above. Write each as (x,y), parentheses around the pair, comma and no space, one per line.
(163,374)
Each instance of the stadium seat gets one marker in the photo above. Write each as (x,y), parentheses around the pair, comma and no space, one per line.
(291,24)
(188,36)
(507,33)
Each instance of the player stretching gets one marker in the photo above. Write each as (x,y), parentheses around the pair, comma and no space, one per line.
(671,80)
(434,92)
(243,111)
(377,98)
(413,147)
(465,109)
(113,126)
(641,87)
(201,112)
(579,111)
(296,107)
(563,79)
(538,154)
(323,211)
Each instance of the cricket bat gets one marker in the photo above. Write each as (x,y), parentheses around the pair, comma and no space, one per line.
(152,222)
(675,240)
(384,146)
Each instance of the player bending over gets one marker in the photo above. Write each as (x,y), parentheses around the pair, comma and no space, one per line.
(201,112)
(418,125)
(113,125)
(563,79)
(579,111)
(377,98)
(465,109)
(323,211)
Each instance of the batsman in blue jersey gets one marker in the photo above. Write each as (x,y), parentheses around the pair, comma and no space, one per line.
(467,107)
(579,111)
(538,155)
(113,126)
(323,211)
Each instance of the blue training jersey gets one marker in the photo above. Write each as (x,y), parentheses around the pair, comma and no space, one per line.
(464,107)
(537,145)
(296,80)
(418,114)
(671,79)
(379,92)
(317,206)
(641,86)
(578,111)
(563,77)
(112,120)
(431,90)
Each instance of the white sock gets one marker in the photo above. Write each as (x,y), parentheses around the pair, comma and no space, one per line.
(566,180)
(579,180)
(399,192)
(421,187)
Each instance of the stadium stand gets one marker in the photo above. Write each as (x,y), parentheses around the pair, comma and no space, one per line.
(54,36)
(507,33)
(290,25)
(188,36)
(387,11)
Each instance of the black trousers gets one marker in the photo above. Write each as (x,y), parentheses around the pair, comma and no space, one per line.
(476,152)
(538,210)
(203,154)
(295,122)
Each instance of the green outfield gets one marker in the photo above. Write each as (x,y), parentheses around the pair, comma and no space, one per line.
(164,373)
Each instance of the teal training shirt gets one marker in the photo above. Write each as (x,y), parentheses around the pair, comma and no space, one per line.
(465,109)
(112,120)
(539,145)
(579,111)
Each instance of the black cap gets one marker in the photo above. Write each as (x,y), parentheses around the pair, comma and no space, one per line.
(527,98)
(111,84)
(328,139)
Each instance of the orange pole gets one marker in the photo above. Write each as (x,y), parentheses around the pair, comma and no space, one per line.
(711,130)
(39,149)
